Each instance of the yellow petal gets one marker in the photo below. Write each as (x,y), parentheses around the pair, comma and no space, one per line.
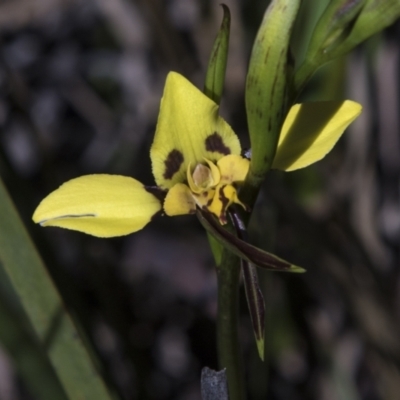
(100,205)
(311,130)
(179,201)
(189,130)
(233,168)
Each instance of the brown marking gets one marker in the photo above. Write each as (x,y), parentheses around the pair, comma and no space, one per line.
(172,163)
(225,202)
(156,192)
(266,55)
(273,85)
(214,143)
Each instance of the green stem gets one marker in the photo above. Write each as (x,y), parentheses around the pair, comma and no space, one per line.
(228,275)
(249,192)
(301,78)
(227,329)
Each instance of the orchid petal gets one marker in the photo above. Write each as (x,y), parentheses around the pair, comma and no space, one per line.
(311,130)
(233,168)
(99,205)
(224,197)
(179,201)
(188,131)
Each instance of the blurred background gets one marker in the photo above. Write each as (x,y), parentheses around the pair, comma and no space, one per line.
(80,85)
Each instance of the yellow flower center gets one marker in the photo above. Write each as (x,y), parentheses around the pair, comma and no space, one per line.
(209,186)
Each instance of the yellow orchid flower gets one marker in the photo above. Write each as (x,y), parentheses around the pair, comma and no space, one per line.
(195,159)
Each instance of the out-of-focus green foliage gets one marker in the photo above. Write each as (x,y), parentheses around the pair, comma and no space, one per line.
(333,26)
(45,309)
(344,25)
(30,360)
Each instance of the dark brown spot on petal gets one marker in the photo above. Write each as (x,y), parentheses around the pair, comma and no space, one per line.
(215,143)
(173,163)
(156,192)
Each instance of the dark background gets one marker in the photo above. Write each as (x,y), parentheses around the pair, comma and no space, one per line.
(80,85)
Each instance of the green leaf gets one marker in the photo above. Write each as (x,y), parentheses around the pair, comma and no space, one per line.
(30,361)
(42,303)
(375,16)
(344,25)
(243,249)
(334,26)
(215,76)
(270,70)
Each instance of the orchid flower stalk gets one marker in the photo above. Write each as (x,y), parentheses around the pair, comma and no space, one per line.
(199,169)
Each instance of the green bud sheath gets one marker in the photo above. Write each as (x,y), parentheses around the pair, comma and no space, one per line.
(267,85)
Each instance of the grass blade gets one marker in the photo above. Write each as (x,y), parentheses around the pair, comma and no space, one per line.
(45,309)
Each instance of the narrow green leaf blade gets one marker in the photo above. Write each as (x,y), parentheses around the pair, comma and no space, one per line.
(255,302)
(243,249)
(45,309)
(344,25)
(334,26)
(375,16)
(215,76)
(32,364)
